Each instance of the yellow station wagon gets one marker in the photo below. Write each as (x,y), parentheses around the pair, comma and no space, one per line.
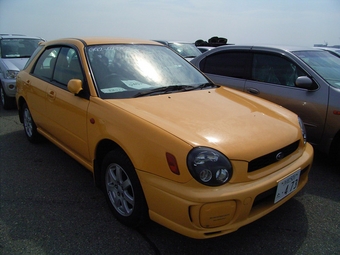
(163,141)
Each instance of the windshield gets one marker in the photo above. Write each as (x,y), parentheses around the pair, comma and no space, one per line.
(123,71)
(186,50)
(324,63)
(18,47)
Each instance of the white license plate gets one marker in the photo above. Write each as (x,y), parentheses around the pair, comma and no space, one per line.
(287,186)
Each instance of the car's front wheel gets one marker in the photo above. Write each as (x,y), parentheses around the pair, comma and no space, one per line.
(29,125)
(123,190)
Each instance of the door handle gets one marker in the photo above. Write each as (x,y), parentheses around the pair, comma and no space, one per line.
(51,95)
(27,83)
(253,91)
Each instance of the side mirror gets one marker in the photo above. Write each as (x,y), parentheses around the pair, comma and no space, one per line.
(75,86)
(304,82)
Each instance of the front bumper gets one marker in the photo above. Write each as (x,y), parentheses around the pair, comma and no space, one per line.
(200,212)
(9,86)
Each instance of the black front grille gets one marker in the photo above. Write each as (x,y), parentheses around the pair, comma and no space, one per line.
(271,158)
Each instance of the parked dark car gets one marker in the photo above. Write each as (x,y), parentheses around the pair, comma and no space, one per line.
(304,80)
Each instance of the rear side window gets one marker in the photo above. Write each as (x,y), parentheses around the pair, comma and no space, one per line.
(232,64)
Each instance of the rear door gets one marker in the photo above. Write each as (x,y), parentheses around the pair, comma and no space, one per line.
(36,85)
(227,68)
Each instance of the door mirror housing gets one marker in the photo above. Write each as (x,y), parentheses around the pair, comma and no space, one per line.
(75,86)
(304,82)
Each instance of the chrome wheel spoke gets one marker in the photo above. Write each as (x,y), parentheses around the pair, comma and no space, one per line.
(118,175)
(129,199)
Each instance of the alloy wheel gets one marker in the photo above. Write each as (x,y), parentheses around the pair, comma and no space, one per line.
(120,190)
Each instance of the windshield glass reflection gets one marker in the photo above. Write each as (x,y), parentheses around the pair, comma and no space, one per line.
(121,71)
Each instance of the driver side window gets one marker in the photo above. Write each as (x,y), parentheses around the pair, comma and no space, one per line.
(67,67)
(275,69)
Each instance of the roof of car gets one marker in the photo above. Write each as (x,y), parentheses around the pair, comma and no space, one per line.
(166,42)
(268,47)
(9,36)
(329,49)
(102,40)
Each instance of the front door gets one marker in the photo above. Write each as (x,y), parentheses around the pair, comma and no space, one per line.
(273,78)
(67,112)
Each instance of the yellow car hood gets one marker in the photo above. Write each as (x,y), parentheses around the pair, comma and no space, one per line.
(239,125)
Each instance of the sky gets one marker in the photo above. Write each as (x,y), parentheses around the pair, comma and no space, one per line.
(289,22)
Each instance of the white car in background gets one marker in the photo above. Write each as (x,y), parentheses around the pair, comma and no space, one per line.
(186,49)
(15,50)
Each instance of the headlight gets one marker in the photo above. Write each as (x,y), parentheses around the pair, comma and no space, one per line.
(11,74)
(209,167)
(303,131)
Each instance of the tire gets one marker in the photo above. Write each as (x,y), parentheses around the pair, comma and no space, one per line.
(334,152)
(29,126)
(123,190)
(6,101)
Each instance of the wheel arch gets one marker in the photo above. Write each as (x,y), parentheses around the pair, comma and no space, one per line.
(334,150)
(103,147)
(20,104)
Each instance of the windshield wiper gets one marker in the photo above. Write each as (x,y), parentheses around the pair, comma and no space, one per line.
(201,86)
(175,88)
(207,85)
(163,90)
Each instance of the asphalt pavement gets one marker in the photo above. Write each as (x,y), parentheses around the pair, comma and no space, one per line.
(49,205)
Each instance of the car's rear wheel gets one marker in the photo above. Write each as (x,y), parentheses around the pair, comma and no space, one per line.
(29,125)
(6,101)
(123,190)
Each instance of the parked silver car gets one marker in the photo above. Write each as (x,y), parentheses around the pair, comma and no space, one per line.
(15,50)
(304,80)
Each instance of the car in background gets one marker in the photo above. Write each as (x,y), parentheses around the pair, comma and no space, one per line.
(160,139)
(15,50)
(334,51)
(204,48)
(303,80)
(185,49)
